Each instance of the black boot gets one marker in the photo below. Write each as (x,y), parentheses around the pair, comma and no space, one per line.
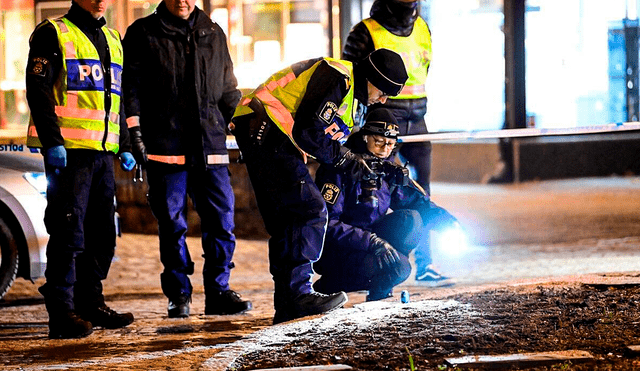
(68,325)
(179,307)
(105,317)
(225,302)
(310,304)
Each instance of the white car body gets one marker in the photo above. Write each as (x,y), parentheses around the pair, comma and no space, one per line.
(22,207)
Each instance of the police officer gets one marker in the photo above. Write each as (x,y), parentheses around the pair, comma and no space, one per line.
(73,90)
(180,93)
(367,245)
(299,112)
(397,25)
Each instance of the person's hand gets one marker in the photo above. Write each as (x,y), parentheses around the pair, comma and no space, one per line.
(353,165)
(56,156)
(139,149)
(384,252)
(127,162)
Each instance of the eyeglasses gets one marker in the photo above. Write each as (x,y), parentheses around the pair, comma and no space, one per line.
(380,143)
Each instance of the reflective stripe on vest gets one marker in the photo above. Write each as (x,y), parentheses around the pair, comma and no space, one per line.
(175,160)
(181,159)
(282,93)
(79,92)
(415,50)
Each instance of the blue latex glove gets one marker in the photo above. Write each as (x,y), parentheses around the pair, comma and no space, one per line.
(127,162)
(56,156)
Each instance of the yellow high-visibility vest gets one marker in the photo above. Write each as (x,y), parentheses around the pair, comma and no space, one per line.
(79,92)
(415,50)
(282,93)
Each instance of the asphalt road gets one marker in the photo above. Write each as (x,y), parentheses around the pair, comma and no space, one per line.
(528,232)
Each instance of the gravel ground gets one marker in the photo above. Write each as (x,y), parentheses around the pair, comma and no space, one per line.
(567,232)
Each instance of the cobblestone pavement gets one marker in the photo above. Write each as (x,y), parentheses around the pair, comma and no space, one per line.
(580,230)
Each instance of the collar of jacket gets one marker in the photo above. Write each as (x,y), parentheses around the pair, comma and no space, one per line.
(174,25)
(394,15)
(83,19)
(360,89)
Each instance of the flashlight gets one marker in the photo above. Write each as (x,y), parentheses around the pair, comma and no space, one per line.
(453,240)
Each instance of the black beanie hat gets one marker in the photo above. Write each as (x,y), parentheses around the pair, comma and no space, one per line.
(385,69)
(381,122)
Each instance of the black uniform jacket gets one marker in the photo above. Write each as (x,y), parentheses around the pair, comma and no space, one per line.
(178,78)
(44,67)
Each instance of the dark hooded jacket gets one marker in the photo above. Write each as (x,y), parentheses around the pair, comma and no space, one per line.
(178,78)
(398,18)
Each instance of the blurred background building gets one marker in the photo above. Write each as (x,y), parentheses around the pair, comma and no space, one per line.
(577,71)
(496,64)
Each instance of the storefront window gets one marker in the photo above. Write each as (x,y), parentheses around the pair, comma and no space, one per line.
(465,86)
(16,24)
(578,69)
(266,36)
(576,62)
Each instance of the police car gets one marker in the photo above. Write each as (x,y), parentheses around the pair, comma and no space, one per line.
(23,236)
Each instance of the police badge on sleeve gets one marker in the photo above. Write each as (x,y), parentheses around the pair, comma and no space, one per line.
(328,112)
(330,193)
(38,66)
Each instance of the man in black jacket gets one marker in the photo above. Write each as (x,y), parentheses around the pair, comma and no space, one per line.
(180,93)
(77,124)
(397,25)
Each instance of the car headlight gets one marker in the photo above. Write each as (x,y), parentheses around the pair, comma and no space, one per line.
(38,181)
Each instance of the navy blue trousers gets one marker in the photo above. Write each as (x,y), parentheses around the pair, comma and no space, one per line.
(292,208)
(80,221)
(345,269)
(212,196)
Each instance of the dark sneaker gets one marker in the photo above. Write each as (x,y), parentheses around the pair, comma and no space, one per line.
(106,317)
(68,325)
(431,277)
(225,302)
(179,307)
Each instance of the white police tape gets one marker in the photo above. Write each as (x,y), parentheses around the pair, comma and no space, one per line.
(503,133)
(519,133)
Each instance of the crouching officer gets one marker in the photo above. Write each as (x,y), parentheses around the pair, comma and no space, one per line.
(303,111)
(73,91)
(366,245)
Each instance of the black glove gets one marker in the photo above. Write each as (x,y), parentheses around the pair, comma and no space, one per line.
(139,149)
(384,252)
(353,165)
(395,174)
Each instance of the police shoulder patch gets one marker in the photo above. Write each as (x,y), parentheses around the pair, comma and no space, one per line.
(330,193)
(38,66)
(328,112)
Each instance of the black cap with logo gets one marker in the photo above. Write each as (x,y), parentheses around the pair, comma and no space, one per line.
(381,122)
